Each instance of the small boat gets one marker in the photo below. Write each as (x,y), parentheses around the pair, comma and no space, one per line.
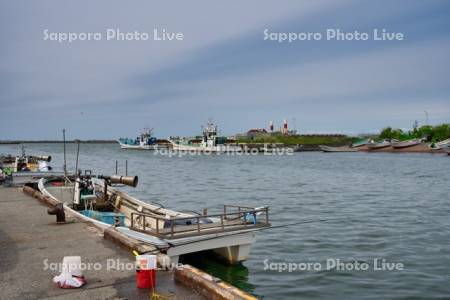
(337,149)
(230,233)
(20,170)
(380,145)
(145,141)
(445,144)
(209,143)
(361,143)
(406,144)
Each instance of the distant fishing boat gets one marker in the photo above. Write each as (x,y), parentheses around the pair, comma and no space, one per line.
(406,144)
(145,141)
(337,149)
(230,234)
(380,145)
(210,142)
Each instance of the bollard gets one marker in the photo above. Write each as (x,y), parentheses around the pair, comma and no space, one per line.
(58,210)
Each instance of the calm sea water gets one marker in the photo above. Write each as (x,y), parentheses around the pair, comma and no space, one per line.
(392,206)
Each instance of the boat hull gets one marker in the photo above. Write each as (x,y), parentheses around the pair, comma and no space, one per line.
(378,146)
(140,147)
(401,145)
(201,149)
(337,149)
(233,246)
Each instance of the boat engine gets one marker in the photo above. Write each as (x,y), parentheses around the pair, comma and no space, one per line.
(127,180)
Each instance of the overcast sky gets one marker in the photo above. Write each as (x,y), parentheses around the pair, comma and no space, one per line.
(223,68)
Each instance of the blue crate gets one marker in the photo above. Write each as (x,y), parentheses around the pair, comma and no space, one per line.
(105,217)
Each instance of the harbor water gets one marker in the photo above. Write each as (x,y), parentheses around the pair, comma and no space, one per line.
(389,212)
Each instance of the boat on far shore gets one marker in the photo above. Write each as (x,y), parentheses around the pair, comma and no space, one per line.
(406,144)
(445,144)
(379,145)
(361,143)
(337,149)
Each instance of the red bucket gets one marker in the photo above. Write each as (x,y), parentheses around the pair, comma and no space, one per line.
(145,279)
(146,271)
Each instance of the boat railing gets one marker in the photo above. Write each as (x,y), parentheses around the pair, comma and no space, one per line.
(232,219)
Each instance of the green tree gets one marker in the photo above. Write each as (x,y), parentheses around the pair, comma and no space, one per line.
(389,133)
(441,132)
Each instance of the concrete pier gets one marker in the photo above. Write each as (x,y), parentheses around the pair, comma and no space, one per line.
(30,241)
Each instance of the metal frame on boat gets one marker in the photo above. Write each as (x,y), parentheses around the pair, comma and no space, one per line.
(244,218)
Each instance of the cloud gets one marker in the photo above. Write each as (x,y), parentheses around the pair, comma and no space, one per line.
(223,68)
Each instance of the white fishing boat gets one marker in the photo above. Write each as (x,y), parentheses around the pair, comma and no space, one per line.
(145,141)
(379,145)
(230,234)
(337,149)
(406,144)
(210,142)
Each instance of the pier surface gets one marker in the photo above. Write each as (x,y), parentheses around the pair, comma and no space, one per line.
(30,239)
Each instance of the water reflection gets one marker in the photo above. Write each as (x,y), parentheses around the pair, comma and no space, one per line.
(236,275)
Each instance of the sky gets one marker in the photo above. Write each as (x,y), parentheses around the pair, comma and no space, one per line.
(223,69)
